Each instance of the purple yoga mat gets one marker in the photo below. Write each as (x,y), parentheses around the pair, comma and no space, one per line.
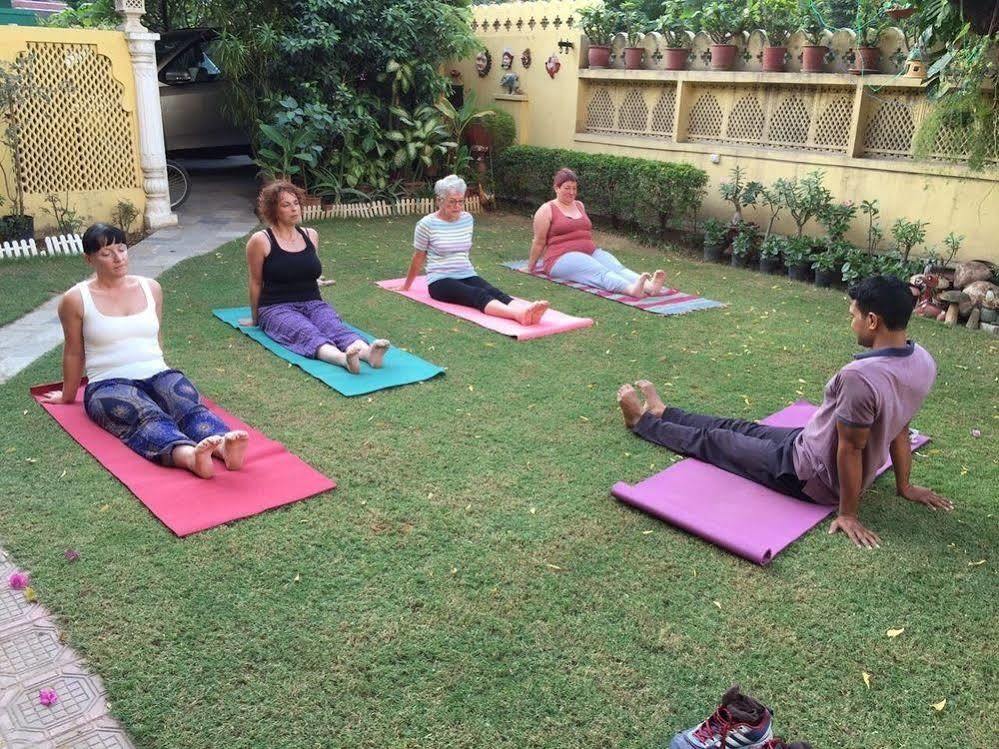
(734,513)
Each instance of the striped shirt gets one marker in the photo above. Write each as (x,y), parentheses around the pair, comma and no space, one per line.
(447,244)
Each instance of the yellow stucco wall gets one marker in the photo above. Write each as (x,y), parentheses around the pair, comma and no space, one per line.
(99,131)
(552,114)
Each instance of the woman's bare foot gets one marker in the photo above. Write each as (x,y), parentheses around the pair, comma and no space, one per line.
(376,352)
(198,458)
(233,449)
(653,403)
(637,289)
(537,311)
(630,405)
(353,357)
(656,284)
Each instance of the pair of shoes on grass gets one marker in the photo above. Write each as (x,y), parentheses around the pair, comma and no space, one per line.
(740,722)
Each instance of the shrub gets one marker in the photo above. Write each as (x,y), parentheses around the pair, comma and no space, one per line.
(648,195)
(502,129)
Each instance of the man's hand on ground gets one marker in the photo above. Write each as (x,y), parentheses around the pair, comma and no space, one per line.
(926,497)
(857,533)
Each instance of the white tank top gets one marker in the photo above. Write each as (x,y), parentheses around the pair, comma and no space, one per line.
(124,346)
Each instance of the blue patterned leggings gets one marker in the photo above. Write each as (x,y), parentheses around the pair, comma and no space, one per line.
(152,416)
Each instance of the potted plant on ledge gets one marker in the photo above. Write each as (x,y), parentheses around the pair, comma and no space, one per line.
(674,25)
(869,23)
(599,26)
(778,19)
(635,26)
(813,54)
(722,22)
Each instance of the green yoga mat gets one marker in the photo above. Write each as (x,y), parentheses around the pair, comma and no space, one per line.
(398,368)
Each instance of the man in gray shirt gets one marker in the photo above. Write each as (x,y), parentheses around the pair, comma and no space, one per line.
(864,418)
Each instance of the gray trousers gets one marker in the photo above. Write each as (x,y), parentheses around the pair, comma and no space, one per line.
(760,453)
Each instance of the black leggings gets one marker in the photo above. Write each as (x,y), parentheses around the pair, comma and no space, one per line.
(468,292)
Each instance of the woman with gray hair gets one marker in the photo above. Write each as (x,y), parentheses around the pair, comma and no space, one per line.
(442,241)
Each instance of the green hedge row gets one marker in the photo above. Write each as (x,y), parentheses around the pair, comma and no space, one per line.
(652,196)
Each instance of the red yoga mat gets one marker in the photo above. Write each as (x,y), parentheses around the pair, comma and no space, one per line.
(739,515)
(184,503)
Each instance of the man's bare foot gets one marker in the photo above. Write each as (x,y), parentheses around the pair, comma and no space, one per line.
(537,311)
(376,352)
(656,284)
(637,289)
(353,357)
(199,460)
(630,405)
(233,449)
(653,403)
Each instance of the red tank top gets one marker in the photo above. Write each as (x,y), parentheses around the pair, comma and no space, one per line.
(567,235)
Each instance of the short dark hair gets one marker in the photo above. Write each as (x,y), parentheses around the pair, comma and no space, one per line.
(888,297)
(101,235)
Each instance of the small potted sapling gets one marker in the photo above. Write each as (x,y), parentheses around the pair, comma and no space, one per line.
(778,19)
(813,54)
(743,245)
(907,235)
(836,218)
(828,264)
(857,265)
(674,25)
(715,235)
(798,257)
(741,193)
(772,249)
(635,26)
(599,25)
(869,23)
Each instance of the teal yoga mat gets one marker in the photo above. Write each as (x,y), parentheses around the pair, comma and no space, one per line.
(399,367)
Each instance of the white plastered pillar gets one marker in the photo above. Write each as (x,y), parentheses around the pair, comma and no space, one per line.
(152,153)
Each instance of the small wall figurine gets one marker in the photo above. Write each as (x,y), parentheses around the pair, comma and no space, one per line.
(525,58)
(506,62)
(483,63)
(552,65)
(511,82)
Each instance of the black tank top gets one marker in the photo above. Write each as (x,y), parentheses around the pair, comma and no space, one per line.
(290,276)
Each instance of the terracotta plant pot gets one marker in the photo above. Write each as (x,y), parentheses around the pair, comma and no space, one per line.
(723,56)
(598,56)
(899,14)
(675,58)
(633,57)
(813,59)
(868,60)
(477,134)
(773,59)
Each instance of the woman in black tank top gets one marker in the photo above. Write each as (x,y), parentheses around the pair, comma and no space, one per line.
(284,290)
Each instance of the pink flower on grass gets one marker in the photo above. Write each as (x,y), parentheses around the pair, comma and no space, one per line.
(48,697)
(71,555)
(19,580)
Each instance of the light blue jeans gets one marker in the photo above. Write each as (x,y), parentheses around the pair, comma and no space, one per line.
(601,270)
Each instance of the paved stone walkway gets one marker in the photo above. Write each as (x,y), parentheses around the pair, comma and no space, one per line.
(33,656)
(218,211)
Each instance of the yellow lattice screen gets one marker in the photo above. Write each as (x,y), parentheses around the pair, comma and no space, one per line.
(77,136)
(635,109)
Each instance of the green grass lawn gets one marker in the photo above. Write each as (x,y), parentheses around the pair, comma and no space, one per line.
(471,583)
(26,283)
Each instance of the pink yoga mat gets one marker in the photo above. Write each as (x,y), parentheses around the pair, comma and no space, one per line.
(186,504)
(553,321)
(732,512)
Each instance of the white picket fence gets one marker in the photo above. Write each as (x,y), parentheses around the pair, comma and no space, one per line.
(64,244)
(381,208)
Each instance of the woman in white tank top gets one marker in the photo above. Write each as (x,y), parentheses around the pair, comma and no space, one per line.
(111,325)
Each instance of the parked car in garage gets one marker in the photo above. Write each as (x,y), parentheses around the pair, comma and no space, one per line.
(191,96)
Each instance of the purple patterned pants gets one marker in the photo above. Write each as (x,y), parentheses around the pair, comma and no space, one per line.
(303,327)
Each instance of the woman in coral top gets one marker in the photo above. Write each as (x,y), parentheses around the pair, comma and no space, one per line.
(563,241)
